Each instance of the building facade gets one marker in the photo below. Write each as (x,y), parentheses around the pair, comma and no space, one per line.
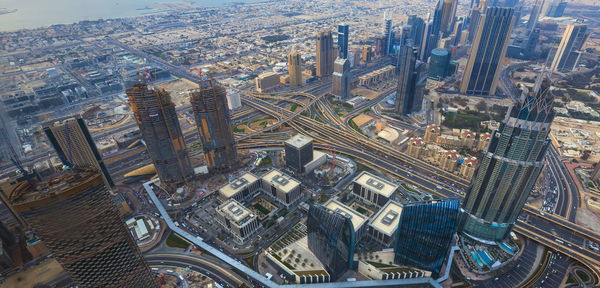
(326,54)
(157,119)
(569,50)
(425,234)
(341,79)
(266,81)
(78,221)
(487,52)
(209,105)
(298,152)
(439,64)
(510,167)
(74,145)
(295,68)
(372,189)
(406,89)
(242,189)
(281,187)
(342,38)
(238,220)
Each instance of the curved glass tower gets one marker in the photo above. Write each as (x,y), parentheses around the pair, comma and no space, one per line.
(510,166)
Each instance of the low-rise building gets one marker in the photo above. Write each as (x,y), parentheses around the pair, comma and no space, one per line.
(467,138)
(359,221)
(382,227)
(468,167)
(237,219)
(431,133)
(484,141)
(267,81)
(449,160)
(241,189)
(416,147)
(373,189)
(281,187)
(365,123)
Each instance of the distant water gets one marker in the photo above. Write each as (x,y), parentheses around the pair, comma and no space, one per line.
(38,13)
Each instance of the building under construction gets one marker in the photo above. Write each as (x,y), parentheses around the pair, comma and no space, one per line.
(156,116)
(75,216)
(209,104)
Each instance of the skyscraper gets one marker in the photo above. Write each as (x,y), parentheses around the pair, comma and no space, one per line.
(417,27)
(439,64)
(74,145)
(473,23)
(448,14)
(295,68)
(157,119)
(433,31)
(75,216)
(510,167)
(568,51)
(487,52)
(425,233)
(535,14)
(209,105)
(529,49)
(388,36)
(341,79)
(405,92)
(326,54)
(342,38)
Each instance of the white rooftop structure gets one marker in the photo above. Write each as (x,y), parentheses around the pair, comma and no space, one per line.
(387,219)
(237,185)
(299,141)
(280,180)
(376,184)
(235,212)
(357,219)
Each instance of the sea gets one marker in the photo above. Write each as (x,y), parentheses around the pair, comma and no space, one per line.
(28,14)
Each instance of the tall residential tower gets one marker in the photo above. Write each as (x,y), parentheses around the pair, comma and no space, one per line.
(295,68)
(326,54)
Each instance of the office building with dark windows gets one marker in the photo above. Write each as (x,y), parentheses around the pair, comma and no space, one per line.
(333,232)
(342,40)
(439,64)
(372,189)
(425,234)
(75,216)
(295,68)
(407,81)
(209,105)
(326,54)
(487,52)
(159,125)
(388,36)
(298,152)
(74,145)
(510,166)
(341,79)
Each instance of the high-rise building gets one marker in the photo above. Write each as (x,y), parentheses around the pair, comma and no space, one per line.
(529,49)
(209,106)
(341,79)
(510,167)
(74,145)
(77,219)
(473,23)
(433,32)
(535,14)
(367,54)
(295,68)
(342,38)
(405,91)
(556,9)
(448,14)
(425,233)
(157,119)
(298,152)
(439,64)
(487,52)
(326,54)
(568,51)
(417,27)
(333,232)
(388,36)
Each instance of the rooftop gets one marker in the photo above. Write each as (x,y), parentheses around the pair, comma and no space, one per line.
(387,219)
(362,119)
(299,141)
(376,184)
(357,219)
(234,211)
(280,180)
(237,185)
